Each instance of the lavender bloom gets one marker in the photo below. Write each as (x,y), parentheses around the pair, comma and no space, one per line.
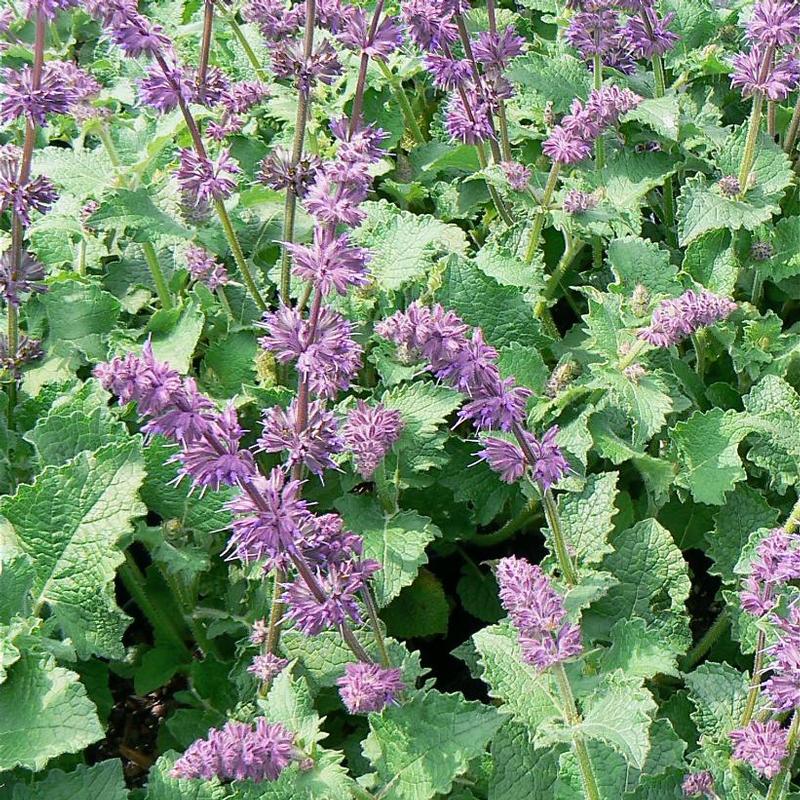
(469,124)
(537,612)
(429,24)
(187,419)
(203,267)
(448,73)
(517,175)
(333,202)
(202,180)
(6,18)
(25,279)
(271,525)
(651,38)
(762,745)
(504,457)
(599,33)
(238,752)
(265,667)
(242,96)
(365,688)
(369,434)
(278,171)
(18,98)
(163,91)
(577,202)
(312,445)
(27,350)
(697,783)
(675,319)
(729,186)
(565,147)
(331,262)
(776,83)
(507,458)
(136,35)
(336,605)
(289,61)
(496,50)
(500,406)
(774,22)
(356,35)
(275,21)
(36,194)
(259,632)
(48,8)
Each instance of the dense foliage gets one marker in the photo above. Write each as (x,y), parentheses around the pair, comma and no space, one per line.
(400,401)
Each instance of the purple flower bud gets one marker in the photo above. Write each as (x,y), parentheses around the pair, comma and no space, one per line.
(278,171)
(651,38)
(135,34)
(162,91)
(238,752)
(22,280)
(448,73)
(265,667)
(363,146)
(325,541)
(471,123)
(202,180)
(537,611)
(366,688)
(504,457)
(369,434)
(762,745)
(36,194)
(497,406)
(517,175)
(577,202)
(331,262)
(496,50)
(334,202)
(20,99)
(429,24)
(356,34)
(205,268)
(729,186)
(311,446)
(289,61)
(275,21)
(242,96)
(508,459)
(697,783)
(761,251)
(28,350)
(186,418)
(677,318)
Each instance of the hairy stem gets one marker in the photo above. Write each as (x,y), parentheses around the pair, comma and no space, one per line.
(559,542)
(780,783)
(375,623)
(153,264)
(205,44)
(511,527)
(358,97)
(400,95)
(505,144)
(554,281)
(493,193)
(541,215)
(250,55)
(749,155)
(791,132)
(573,719)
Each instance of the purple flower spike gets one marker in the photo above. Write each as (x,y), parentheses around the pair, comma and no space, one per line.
(448,73)
(205,268)
(678,318)
(537,611)
(238,752)
(504,457)
(24,280)
(266,667)
(36,194)
(517,175)
(774,22)
(311,446)
(48,8)
(19,99)
(698,783)
(496,50)
(429,24)
(651,38)
(275,21)
(577,202)
(777,82)
(356,34)
(498,406)
(507,458)
(365,688)
(469,124)
(762,745)
(202,180)
(136,35)
(369,434)
(163,91)
(331,262)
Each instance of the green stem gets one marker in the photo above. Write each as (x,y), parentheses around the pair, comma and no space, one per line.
(554,281)
(157,274)
(134,581)
(771,113)
(706,642)
(509,529)
(541,215)
(496,199)
(794,126)
(274,626)
(224,302)
(573,719)
(375,624)
(599,144)
(244,44)
(238,255)
(780,783)
(749,155)
(559,542)
(699,342)
(669,189)
(403,101)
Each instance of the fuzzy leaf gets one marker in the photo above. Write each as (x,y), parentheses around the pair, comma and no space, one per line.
(136,213)
(419,747)
(396,542)
(636,652)
(653,585)
(44,712)
(83,173)
(711,261)
(103,781)
(636,261)
(520,772)
(718,693)
(708,454)
(69,522)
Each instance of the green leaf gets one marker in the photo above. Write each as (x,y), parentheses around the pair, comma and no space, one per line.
(559,80)
(745,511)
(174,335)
(526,694)
(231,362)
(83,173)
(477,590)
(404,246)
(719,694)
(419,748)
(162,786)
(702,208)
(420,609)
(774,416)
(785,262)
(587,517)
(80,315)
(16,579)
(69,522)
(525,365)
(772,167)
(397,542)
(636,261)
(135,212)
(611,777)
(424,407)
(708,454)
(44,712)
(103,781)
(711,261)
(661,114)
(653,586)
(620,716)
(629,176)
(520,772)
(636,652)
(502,313)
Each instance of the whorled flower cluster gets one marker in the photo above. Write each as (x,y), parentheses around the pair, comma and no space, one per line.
(204,268)
(238,752)
(770,67)
(369,687)
(537,612)
(762,745)
(572,139)
(679,317)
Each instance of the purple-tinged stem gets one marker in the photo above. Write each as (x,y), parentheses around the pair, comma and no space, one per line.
(301,118)
(205,45)
(358,99)
(754,126)
(502,121)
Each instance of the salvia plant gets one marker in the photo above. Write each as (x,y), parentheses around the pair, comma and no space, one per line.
(399,400)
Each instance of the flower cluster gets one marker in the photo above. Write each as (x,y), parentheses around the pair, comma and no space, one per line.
(769,67)
(203,267)
(469,365)
(237,752)
(537,611)
(762,745)
(777,561)
(369,433)
(697,784)
(571,141)
(369,687)
(675,319)
(21,195)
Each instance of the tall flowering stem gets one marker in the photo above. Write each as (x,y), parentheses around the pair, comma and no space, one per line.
(358,97)
(541,214)
(780,783)
(301,119)
(502,120)
(791,132)
(751,143)
(230,17)
(205,44)
(409,117)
